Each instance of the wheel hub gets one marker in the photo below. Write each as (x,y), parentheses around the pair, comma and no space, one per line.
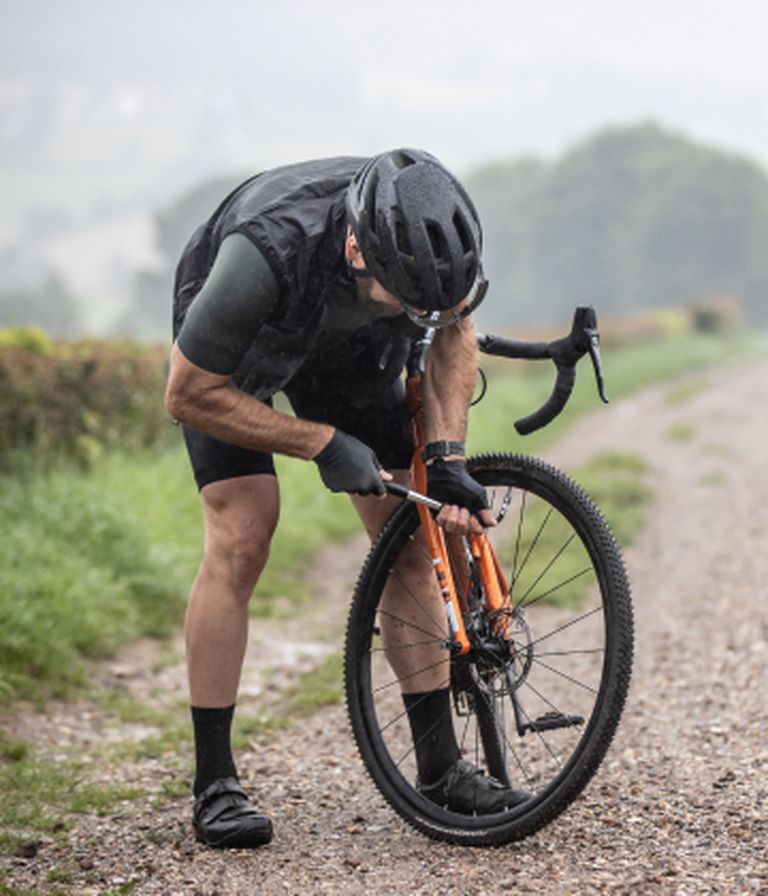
(502,655)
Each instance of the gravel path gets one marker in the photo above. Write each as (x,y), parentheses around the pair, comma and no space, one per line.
(679,807)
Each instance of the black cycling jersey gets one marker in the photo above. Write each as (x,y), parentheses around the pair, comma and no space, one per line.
(295,217)
(239,296)
(263,293)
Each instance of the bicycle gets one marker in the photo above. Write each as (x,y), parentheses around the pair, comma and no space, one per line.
(536,635)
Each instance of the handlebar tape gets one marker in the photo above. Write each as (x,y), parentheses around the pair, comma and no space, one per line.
(566,377)
(565,352)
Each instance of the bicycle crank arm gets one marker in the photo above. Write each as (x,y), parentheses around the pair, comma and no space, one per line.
(408,494)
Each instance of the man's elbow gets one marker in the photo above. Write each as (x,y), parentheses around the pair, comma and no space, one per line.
(191,392)
(179,402)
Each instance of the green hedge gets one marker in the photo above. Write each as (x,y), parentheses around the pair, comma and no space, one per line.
(73,399)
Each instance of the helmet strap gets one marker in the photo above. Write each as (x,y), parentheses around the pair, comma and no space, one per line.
(358,272)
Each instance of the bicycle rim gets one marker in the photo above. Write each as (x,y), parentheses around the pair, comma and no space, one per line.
(538,699)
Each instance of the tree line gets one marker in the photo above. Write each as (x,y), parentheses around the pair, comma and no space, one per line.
(633,218)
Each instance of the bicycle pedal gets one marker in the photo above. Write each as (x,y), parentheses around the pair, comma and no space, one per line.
(551,721)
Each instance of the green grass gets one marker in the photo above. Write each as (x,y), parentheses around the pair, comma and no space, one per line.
(40,796)
(247,730)
(715,478)
(618,484)
(89,561)
(43,798)
(80,573)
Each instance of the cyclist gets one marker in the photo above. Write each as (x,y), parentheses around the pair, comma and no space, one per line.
(312,279)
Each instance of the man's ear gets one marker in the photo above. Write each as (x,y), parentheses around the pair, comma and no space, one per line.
(352,251)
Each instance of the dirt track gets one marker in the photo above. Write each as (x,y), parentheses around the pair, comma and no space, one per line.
(680,805)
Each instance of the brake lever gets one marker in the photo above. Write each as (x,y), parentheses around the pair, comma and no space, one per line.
(585,337)
(597,364)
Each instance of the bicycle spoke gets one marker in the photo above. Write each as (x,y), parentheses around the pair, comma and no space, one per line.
(544,742)
(409,646)
(389,684)
(438,638)
(564,675)
(398,578)
(417,703)
(569,624)
(575,652)
(414,745)
(503,731)
(462,739)
(546,701)
(546,569)
(533,544)
(530,603)
(518,540)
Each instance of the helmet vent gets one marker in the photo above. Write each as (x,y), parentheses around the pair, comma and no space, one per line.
(372,187)
(403,160)
(461,229)
(437,239)
(402,239)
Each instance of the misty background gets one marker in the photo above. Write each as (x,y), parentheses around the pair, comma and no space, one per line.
(617,151)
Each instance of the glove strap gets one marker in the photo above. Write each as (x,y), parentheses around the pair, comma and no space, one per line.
(442,449)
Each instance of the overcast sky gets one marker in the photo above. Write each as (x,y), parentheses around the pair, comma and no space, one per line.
(154,95)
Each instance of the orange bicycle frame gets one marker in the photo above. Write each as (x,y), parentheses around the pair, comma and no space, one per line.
(494,586)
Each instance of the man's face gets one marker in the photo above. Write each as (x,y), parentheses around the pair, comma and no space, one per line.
(370,290)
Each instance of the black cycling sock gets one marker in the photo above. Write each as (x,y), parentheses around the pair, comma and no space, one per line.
(213,749)
(434,739)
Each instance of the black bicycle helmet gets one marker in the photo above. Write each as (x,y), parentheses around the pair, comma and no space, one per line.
(419,233)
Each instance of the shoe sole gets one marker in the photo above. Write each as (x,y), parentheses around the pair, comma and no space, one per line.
(250,839)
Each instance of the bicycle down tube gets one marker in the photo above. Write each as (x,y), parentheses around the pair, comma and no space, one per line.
(491,575)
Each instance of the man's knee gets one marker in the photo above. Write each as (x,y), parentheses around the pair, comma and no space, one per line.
(237,557)
(239,526)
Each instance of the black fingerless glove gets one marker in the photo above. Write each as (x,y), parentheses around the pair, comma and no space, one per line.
(449,482)
(348,465)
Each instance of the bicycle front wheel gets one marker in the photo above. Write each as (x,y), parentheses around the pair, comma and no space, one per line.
(536,701)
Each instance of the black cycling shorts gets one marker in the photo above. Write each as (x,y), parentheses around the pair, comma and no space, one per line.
(373,411)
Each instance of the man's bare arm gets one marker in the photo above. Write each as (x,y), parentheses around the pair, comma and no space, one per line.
(448,386)
(449,381)
(208,402)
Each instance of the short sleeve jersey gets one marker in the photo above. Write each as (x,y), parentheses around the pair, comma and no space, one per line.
(295,216)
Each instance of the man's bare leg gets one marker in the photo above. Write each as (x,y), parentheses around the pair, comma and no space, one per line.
(411,604)
(240,518)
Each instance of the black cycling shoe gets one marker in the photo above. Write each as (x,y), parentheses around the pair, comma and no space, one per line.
(225,819)
(467,789)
